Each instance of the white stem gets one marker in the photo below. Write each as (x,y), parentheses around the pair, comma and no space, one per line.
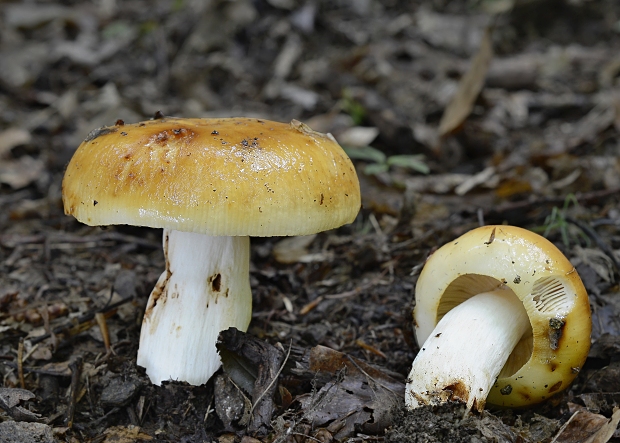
(466,351)
(205,289)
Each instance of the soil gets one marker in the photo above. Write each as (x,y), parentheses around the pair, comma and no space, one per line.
(479,112)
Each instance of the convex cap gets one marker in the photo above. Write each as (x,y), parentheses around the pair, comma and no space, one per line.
(548,358)
(233,176)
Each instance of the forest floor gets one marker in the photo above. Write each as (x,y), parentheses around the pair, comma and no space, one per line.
(456,114)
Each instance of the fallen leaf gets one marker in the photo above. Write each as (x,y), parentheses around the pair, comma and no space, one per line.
(231,404)
(597,260)
(601,117)
(11,138)
(437,183)
(266,359)
(360,398)
(469,87)
(10,399)
(606,431)
(293,249)
(357,136)
(485,177)
(20,173)
(586,427)
(324,359)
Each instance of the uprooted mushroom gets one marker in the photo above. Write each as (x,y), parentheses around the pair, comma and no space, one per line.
(501,317)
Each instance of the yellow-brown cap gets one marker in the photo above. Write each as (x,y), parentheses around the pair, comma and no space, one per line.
(229,176)
(546,360)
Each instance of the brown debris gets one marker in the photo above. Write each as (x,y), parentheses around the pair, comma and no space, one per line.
(470,86)
(584,426)
(358,396)
(267,360)
(10,402)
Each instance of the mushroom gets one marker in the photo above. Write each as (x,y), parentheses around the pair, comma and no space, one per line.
(501,317)
(210,183)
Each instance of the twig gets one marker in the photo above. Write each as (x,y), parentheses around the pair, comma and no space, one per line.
(20,364)
(76,369)
(46,325)
(105,333)
(27,356)
(358,289)
(362,344)
(108,311)
(311,305)
(209,409)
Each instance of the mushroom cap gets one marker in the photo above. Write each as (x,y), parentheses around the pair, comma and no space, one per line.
(543,362)
(229,176)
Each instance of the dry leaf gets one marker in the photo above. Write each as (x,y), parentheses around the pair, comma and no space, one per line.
(597,260)
(11,138)
(358,136)
(593,124)
(20,173)
(470,86)
(586,427)
(607,430)
(10,399)
(485,177)
(295,249)
(358,400)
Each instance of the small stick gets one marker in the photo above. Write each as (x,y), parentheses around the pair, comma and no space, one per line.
(362,344)
(46,325)
(108,311)
(20,364)
(76,369)
(310,306)
(105,333)
(359,288)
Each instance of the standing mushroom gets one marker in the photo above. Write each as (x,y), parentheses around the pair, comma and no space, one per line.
(502,317)
(210,183)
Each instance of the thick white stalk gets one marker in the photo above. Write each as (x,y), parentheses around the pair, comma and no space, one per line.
(205,289)
(466,351)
